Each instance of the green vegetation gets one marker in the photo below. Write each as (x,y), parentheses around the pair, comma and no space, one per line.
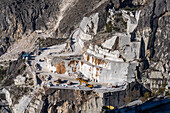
(24,67)
(23,60)
(19,71)
(31,90)
(116,28)
(116,19)
(26,79)
(25,89)
(167,94)
(127,99)
(24,75)
(10,63)
(2,72)
(130,8)
(79,58)
(1,77)
(109,26)
(124,23)
(30,79)
(119,14)
(146,95)
(31,83)
(108,14)
(128,13)
(161,90)
(164,84)
(118,25)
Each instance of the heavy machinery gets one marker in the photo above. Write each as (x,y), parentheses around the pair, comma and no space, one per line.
(58,81)
(69,82)
(124,59)
(106,109)
(82,80)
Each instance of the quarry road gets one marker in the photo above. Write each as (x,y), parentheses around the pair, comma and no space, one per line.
(97,87)
(99,90)
(69,87)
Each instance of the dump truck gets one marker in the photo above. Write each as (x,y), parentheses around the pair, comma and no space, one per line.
(82,80)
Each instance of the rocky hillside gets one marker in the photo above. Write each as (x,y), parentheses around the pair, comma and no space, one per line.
(153,29)
(24,24)
(59,18)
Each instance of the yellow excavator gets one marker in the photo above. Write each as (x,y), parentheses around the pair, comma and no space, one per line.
(124,59)
(105,109)
(58,81)
(109,107)
(82,80)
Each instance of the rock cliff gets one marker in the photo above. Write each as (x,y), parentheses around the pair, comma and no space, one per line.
(153,29)
(133,32)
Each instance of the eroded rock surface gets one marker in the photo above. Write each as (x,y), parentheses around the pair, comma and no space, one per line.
(116,43)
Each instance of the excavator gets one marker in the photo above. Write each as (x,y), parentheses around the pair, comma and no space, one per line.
(124,59)
(82,80)
(107,108)
(58,81)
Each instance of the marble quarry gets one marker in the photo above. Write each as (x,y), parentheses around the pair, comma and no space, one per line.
(100,63)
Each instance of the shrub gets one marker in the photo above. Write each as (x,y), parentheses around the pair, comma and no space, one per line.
(2,71)
(19,71)
(116,28)
(167,94)
(25,89)
(116,19)
(108,14)
(109,26)
(30,79)
(146,95)
(24,75)
(1,77)
(134,93)
(130,8)
(160,91)
(119,14)
(31,83)
(23,60)
(24,67)
(127,99)
(164,84)
(10,63)
(31,90)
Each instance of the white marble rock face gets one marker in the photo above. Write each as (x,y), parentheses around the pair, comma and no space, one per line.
(20,80)
(109,43)
(113,69)
(132,20)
